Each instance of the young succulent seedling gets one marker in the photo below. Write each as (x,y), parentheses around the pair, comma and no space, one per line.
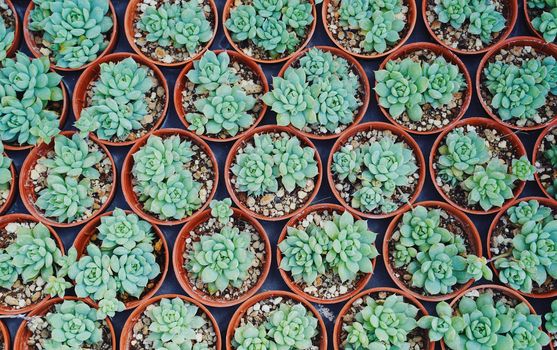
(275,27)
(321,94)
(551,319)
(546,21)
(480,322)
(75,32)
(7,33)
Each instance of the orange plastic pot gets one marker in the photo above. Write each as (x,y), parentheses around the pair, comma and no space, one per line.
(5,335)
(242,142)
(404,52)
(13,190)
(241,311)
(288,278)
(464,221)
(543,201)
(23,334)
(511,21)
(127,183)
(183,79)
(27,192)
(4,221)
(361,74)
(529,20)
(63,115)
(127,331)
(396,131)
(92,72)
(226,14)
(182,275)
(88,231)
(35,50)
(479,122)
(411,22)
(129,28)
(538,45)
(17,34)
(536,157)
(337,331)
(509,293)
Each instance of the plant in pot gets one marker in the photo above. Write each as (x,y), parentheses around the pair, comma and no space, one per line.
(219,95)
(517,83)
(120,99)
(551,324)
(541,16)
(486,317)
(369,29)
(479,165)
(469,27)
(325,254)
(522,243)
(7,180)
(423,87)
(434,251)
(71,33)
(321,92)
(269,31)
(67,323)
(375,170)
(223,256)
(276,320)
(170,321)
(273,172)
(33,102)
(170,33)
(356,326)
(169,177)
(10,33)
(545,161)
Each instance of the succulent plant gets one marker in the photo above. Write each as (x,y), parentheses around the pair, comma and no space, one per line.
(550,155)
(336,102)
(421,228)
(441,325)
(254,171)
(273,36)
(8,272)
(526,211)
(403,255)
(112,120)
(74,324)
(551,318)
(6,38)
(433,269)
(546,23)
(212,71)
(347,163)
(179,25)
(221,259)
(92,274)
(454,12)
(134,268)
(74,31)
(66,199)
(302,253)
(109,305)
(381,30)
(382,324)
(221,210)
(513,273)
(173,324)
(56,286)
(490,186)
(248,337)
(295,164)
(123,230)
(445,80)
(5,170)
(522,169)
(369,197)
(352,12)
(291,327)
(486,20)
(242,23)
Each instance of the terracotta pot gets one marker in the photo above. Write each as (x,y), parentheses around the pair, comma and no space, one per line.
(232,157)
(404,52)
(84,237)
(127,185)
(464,221)
(511,20)
(412,14)
(4,221)
(529,20)
(5,335)
(26,188)
(35,50)
(487,123)
(181,273)
(504,290)
(129,28)
(339,320)
(363,80)
(63,115)
(90,74)
(127,331)
(226,14)
(540,46)
(12,191)
(536,158)
(236,318)
(497,219)
(23,333)
(287,277)
(17,32)
(183,79)
(396,131)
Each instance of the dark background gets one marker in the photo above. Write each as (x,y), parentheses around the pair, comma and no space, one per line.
(274,280)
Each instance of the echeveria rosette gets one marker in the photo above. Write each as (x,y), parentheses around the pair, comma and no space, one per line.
(440,326)
(514,274)
(56,286)
(211,71)
(242,23)
(347,163)
(336,102)
(134,268)
(295,164)
(249,337)
(485,21)
(522,169)
(370,197)
(92,274)
(421,228)
(433,269)
(5,170)
(8,272)
(291,327)
(65,198)
(453,12)
(320,64)
(273,36)
(352,12)
(297,15)
(174,323)
(221,210)
(382,30)
(551,319)
(7,35)
(546,24)
(526,211)
(254,171)
(445,80)
(403,255)
(121,229)
(109,305)
(541,240)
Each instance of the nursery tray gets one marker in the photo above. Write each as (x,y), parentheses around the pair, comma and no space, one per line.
(273,229)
